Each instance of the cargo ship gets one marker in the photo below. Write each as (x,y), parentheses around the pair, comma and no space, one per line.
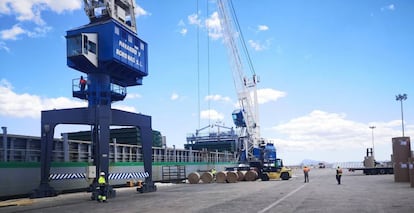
(20,166)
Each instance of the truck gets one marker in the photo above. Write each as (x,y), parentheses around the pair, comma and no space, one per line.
(372,167)
(255,152)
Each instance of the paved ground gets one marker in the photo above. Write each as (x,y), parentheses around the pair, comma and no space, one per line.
(357,193)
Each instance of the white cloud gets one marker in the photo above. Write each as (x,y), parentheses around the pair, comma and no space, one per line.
(174,96)
(181,23)
(4,8)
(38,31)
(258,46)
(194,19)
(139,11)
(262,28)
(211,114)
(4,47)
(268,95)
(213,26)
(63,5)
(124,108)
(321,130)
(133,96)
(16,31)
(12,33)
(183,31)
(31,10)
(217,98)
(390,7)
(27,105)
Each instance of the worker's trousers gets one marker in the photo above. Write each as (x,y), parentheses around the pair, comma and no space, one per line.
(102,193)
(306,177)
(338,178)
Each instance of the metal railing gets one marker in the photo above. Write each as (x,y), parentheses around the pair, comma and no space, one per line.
(27,149)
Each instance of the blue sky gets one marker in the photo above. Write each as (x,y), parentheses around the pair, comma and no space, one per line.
(328,70)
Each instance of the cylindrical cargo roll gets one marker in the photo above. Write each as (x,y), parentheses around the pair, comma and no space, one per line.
(251,175)
(207,177)
(193,177)
(241,175)
(221,177)
(232,177)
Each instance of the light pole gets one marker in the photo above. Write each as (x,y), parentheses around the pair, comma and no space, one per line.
(372,128)
(401,98)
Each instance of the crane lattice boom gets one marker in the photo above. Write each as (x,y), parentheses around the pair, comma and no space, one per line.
(245,87)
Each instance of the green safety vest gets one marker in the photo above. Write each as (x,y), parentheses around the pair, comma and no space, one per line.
(101,180)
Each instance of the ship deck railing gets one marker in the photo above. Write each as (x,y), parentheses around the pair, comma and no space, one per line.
(18,148)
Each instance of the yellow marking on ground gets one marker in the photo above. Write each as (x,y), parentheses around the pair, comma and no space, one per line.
(19,202)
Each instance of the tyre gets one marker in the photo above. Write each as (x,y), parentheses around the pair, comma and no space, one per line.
(265,177)
(382,171)
(285,176)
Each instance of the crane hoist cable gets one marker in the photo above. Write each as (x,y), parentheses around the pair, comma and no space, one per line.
(198,71)
(208,69)
(242,41)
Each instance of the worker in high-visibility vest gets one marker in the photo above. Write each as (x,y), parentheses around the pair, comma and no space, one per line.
(338,174)
(102,187)
(213,172)
(306,173)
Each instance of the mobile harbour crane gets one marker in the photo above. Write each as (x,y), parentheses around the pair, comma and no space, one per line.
(109,51)
(255,151)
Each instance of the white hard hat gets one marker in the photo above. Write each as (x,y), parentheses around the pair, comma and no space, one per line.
(102,173)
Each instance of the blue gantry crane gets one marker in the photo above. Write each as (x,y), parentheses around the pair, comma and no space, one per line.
(112,56)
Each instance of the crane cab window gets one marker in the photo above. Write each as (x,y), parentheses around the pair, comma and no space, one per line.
(88,45)
(74,46)
(83,45)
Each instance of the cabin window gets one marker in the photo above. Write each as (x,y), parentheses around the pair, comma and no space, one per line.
(74,46)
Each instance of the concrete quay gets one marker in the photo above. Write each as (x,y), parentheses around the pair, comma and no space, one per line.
(357,193)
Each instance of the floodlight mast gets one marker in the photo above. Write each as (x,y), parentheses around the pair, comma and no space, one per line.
(401,98)
(373,151)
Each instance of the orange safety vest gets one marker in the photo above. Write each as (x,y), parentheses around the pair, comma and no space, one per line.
(306,169)
(339,171)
